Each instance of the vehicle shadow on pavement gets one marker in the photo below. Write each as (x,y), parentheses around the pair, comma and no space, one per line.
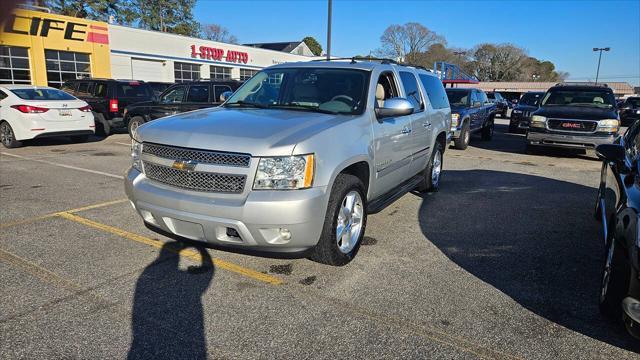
(532,238)
(167,316)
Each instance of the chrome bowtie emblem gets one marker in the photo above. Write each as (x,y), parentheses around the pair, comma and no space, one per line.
(184,165)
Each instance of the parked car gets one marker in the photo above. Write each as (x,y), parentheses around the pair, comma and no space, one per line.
(108,99)
(158,87)
(294,160)
(34,112)
(178,98)
(574,116)
(471,111)
(522,111)
(618,208)
(502,105)
(630,110)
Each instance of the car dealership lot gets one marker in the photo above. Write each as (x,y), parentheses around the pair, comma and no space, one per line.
(503,262)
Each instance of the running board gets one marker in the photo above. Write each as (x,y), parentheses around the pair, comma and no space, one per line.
(387,199)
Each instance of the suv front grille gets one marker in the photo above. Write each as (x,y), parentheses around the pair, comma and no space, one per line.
(194,180)
(199,156)
(572,125)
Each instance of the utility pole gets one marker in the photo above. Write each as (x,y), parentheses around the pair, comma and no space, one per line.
(599,58)
(329,31)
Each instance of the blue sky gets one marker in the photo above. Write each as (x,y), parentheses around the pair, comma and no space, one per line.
(563,32)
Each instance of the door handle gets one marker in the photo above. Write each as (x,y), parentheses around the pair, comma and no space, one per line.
(406,130)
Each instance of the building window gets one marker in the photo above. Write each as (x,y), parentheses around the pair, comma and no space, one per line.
(246,74)
(14,65)
(66,65)
(220,73)
(186,72)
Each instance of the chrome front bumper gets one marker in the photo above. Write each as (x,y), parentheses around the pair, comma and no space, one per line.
(568,140)
(258,220)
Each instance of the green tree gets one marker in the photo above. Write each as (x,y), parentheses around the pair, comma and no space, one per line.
(313,45)
(173,16)
(102,10)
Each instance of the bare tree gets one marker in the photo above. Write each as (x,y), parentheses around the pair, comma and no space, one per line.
(405,42)
(216,32)
(499,62)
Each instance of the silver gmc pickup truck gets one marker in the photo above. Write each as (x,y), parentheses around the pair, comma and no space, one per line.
(294,160)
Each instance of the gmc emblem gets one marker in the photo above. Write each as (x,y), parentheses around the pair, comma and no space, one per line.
(572,125)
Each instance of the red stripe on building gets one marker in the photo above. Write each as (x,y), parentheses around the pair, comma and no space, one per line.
(97,38)
(98,27)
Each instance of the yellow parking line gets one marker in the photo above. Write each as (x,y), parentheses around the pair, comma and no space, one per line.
(34,219)
(189,253)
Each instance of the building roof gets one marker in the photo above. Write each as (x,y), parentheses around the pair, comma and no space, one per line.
(287,46)
(619,88)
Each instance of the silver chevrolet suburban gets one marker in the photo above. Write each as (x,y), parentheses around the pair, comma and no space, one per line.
(294,160)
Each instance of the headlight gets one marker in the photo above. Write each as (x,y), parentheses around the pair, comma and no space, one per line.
(284,173)
(454,119)
(608,125)
(538,121)
(136,153)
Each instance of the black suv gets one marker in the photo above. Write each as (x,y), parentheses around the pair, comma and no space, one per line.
(502,104)
(179,98)
(630,110)
(108,98)
(574,115)
(522,111)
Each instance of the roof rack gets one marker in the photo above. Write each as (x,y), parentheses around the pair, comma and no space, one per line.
(584,83)
(354,60)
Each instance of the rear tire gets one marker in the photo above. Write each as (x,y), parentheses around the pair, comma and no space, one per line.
(329,250)
(102,126)
(433,172)
(615,281)
(134,123)
(462,142)
(8,137)
(487,130)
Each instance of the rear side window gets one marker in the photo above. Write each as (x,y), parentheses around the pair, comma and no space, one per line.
(134,89)
(68,87)
(42,94)
(435,91)
(411,90)
(198,94)
(84,89)
(100,90)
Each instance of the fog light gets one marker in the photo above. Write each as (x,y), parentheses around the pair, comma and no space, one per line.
(232,233)
(285,234)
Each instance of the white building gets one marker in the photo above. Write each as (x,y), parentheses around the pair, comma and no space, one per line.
(157,56)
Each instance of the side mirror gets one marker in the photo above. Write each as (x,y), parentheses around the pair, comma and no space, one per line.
(610,152)
(225,95)
(477,104)
(394,107)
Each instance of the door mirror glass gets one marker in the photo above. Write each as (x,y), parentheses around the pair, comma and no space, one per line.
(225,95)
(394,107)
(610,152)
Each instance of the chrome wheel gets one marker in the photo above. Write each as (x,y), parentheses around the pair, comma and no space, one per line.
(606,273)
(6,134)
(466,137)
(133,128)
(436,168)
(349,222)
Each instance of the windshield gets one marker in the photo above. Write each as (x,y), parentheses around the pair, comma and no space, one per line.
(337,91)
(458,98)
(530,99)
(42,94)
(591,98)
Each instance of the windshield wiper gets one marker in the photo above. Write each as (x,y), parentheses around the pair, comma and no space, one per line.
(247,104)
(304,108)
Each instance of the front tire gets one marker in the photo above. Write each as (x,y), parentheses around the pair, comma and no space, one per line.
(8,137)
(432,173)
(134,124)
(344,223)
(462,142)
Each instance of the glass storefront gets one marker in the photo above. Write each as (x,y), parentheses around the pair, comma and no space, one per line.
(66,65)
(246,74)
(220,72)
(186,72)
(14,65)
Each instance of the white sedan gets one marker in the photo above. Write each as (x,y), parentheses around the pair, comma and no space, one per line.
(30,112)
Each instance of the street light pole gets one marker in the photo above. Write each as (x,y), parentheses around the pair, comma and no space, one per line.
(329,31)
(599,58)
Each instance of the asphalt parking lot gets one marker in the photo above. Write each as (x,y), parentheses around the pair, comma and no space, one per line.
(502,263)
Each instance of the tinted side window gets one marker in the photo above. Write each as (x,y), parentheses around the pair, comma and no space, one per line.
(435,91)
(218,90)
(100,90)
(482,97)
(411,90)
(198,94)
(173,95)
(85,89)
(68,87)
(2,95)
(134,89)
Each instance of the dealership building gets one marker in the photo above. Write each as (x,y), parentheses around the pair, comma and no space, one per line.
(40,48)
